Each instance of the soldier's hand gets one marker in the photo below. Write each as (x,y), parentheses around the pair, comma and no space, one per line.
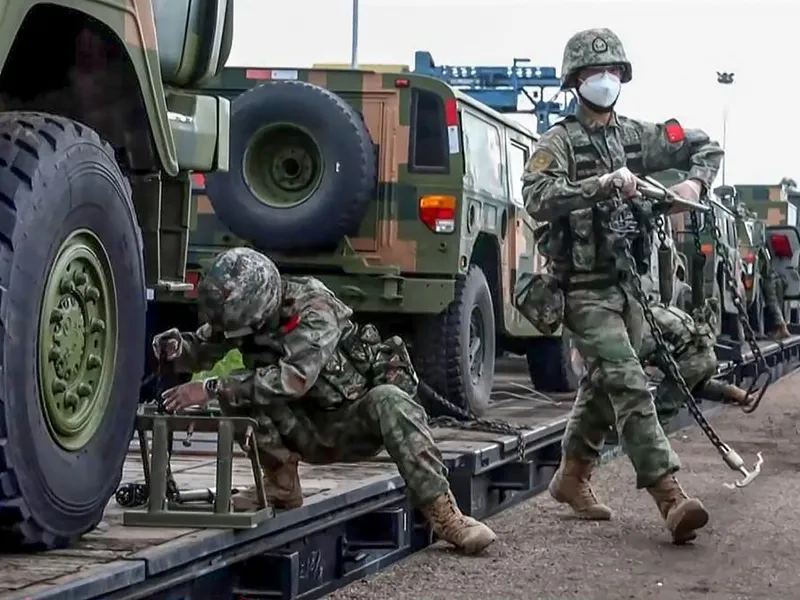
(688,190)
(185,395)
(622,179)
(168,344)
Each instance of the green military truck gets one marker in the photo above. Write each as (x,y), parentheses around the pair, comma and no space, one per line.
(776,207)
(399,192)
(98,136)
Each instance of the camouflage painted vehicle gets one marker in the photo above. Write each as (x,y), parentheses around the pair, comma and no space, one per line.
(713,274)
(97,139)
(776,207)
(402,194)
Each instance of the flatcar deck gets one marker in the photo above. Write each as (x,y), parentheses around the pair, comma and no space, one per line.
(355,520)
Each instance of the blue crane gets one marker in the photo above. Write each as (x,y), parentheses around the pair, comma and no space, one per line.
(501,87)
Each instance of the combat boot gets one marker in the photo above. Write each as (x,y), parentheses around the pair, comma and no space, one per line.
(721,391)
(468,535)
(571,485)
(682,515)
(281,486)
(782,332)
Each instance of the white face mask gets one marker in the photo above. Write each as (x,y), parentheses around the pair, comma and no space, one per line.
(601,89)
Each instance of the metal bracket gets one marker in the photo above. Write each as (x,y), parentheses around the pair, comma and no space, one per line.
(206,508)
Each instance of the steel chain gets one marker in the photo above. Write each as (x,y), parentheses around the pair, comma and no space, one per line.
(730,284)
(460,418)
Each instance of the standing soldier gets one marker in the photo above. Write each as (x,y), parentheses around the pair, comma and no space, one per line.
(769,284)
(580,162)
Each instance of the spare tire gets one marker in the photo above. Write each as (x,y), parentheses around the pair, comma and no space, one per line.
(302,168)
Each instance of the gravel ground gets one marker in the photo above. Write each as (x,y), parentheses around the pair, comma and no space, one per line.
(749,549)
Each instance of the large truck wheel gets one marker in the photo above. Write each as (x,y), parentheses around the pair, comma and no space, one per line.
(303,168)
(455,351)
(554,364)
(73,327)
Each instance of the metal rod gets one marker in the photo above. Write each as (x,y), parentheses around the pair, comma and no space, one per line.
(159,467)
(724,140)
(354,39)
(222,501)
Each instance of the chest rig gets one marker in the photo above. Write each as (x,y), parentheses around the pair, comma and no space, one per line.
(587,247)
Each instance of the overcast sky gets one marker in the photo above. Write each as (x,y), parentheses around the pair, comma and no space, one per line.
(676,47)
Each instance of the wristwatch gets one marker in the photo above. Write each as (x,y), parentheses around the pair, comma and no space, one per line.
(211,387)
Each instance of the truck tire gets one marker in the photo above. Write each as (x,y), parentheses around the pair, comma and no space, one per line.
(454,353)
(551,364)
(73,328)
(302,168)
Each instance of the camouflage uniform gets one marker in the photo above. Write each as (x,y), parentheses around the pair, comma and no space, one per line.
(321,388)
(769,282)
(564,185)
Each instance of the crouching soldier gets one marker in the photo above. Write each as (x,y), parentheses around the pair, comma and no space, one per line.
(690,340)
(323,389)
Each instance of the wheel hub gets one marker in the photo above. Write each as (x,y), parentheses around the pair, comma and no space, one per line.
(77,340)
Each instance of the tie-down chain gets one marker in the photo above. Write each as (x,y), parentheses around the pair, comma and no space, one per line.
(665,201)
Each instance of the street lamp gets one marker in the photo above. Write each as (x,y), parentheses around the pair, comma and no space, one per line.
(724,78)
(354,38)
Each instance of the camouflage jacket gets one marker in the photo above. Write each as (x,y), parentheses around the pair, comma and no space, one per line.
(681,332)
(316,353)
(561,181)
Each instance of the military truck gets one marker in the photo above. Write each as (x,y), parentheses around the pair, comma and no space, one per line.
(403,195)
(776,207)
(98,136)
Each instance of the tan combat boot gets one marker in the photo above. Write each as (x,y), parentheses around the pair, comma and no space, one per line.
(281,485)
(468,535)
(782,332)
(570,485)
(682,515)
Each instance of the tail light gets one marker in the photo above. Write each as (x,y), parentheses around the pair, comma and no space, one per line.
(781,246)
(707,249)
(192,277)
(438,213)
(198,181)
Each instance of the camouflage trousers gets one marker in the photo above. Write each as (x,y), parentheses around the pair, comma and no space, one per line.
(607,325)
(696,365)
(384,417)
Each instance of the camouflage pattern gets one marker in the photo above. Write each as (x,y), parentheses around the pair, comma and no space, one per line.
(561,182)
(539,298)
(562,186)
(770,282)
(607,327)
(691,343)
(240,292)
(391,239)
(593,48)
(324,388)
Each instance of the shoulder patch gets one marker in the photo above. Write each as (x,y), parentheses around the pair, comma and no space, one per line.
(540,160)
(674,131)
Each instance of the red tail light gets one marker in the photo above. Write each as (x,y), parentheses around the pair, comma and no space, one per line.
(198,181)
(781,246)
(192,277)
(451,112)
(438,213)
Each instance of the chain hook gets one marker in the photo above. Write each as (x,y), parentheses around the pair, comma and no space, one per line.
(762,389)
(736,463)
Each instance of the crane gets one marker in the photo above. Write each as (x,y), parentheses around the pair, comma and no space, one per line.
(501,87)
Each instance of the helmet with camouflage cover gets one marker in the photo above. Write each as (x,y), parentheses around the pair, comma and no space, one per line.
(240,292)
(593,48)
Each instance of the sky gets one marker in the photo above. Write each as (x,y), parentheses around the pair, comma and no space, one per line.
(676,48)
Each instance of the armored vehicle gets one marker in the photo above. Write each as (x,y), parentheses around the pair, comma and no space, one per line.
(403,195)
(98,136)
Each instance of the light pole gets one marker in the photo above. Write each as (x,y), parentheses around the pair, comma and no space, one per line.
(354,40)
(724,78)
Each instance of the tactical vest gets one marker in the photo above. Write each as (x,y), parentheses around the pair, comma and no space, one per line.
(584,245)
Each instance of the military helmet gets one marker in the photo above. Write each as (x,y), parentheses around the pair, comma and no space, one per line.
(240,292)
(593,48)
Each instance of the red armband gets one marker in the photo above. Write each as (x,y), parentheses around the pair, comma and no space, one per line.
(674,131)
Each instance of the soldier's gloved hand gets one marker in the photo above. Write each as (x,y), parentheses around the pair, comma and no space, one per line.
(168,344)
(688,190)
(622,179)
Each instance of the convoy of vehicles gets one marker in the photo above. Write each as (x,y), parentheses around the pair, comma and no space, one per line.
(397,190)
